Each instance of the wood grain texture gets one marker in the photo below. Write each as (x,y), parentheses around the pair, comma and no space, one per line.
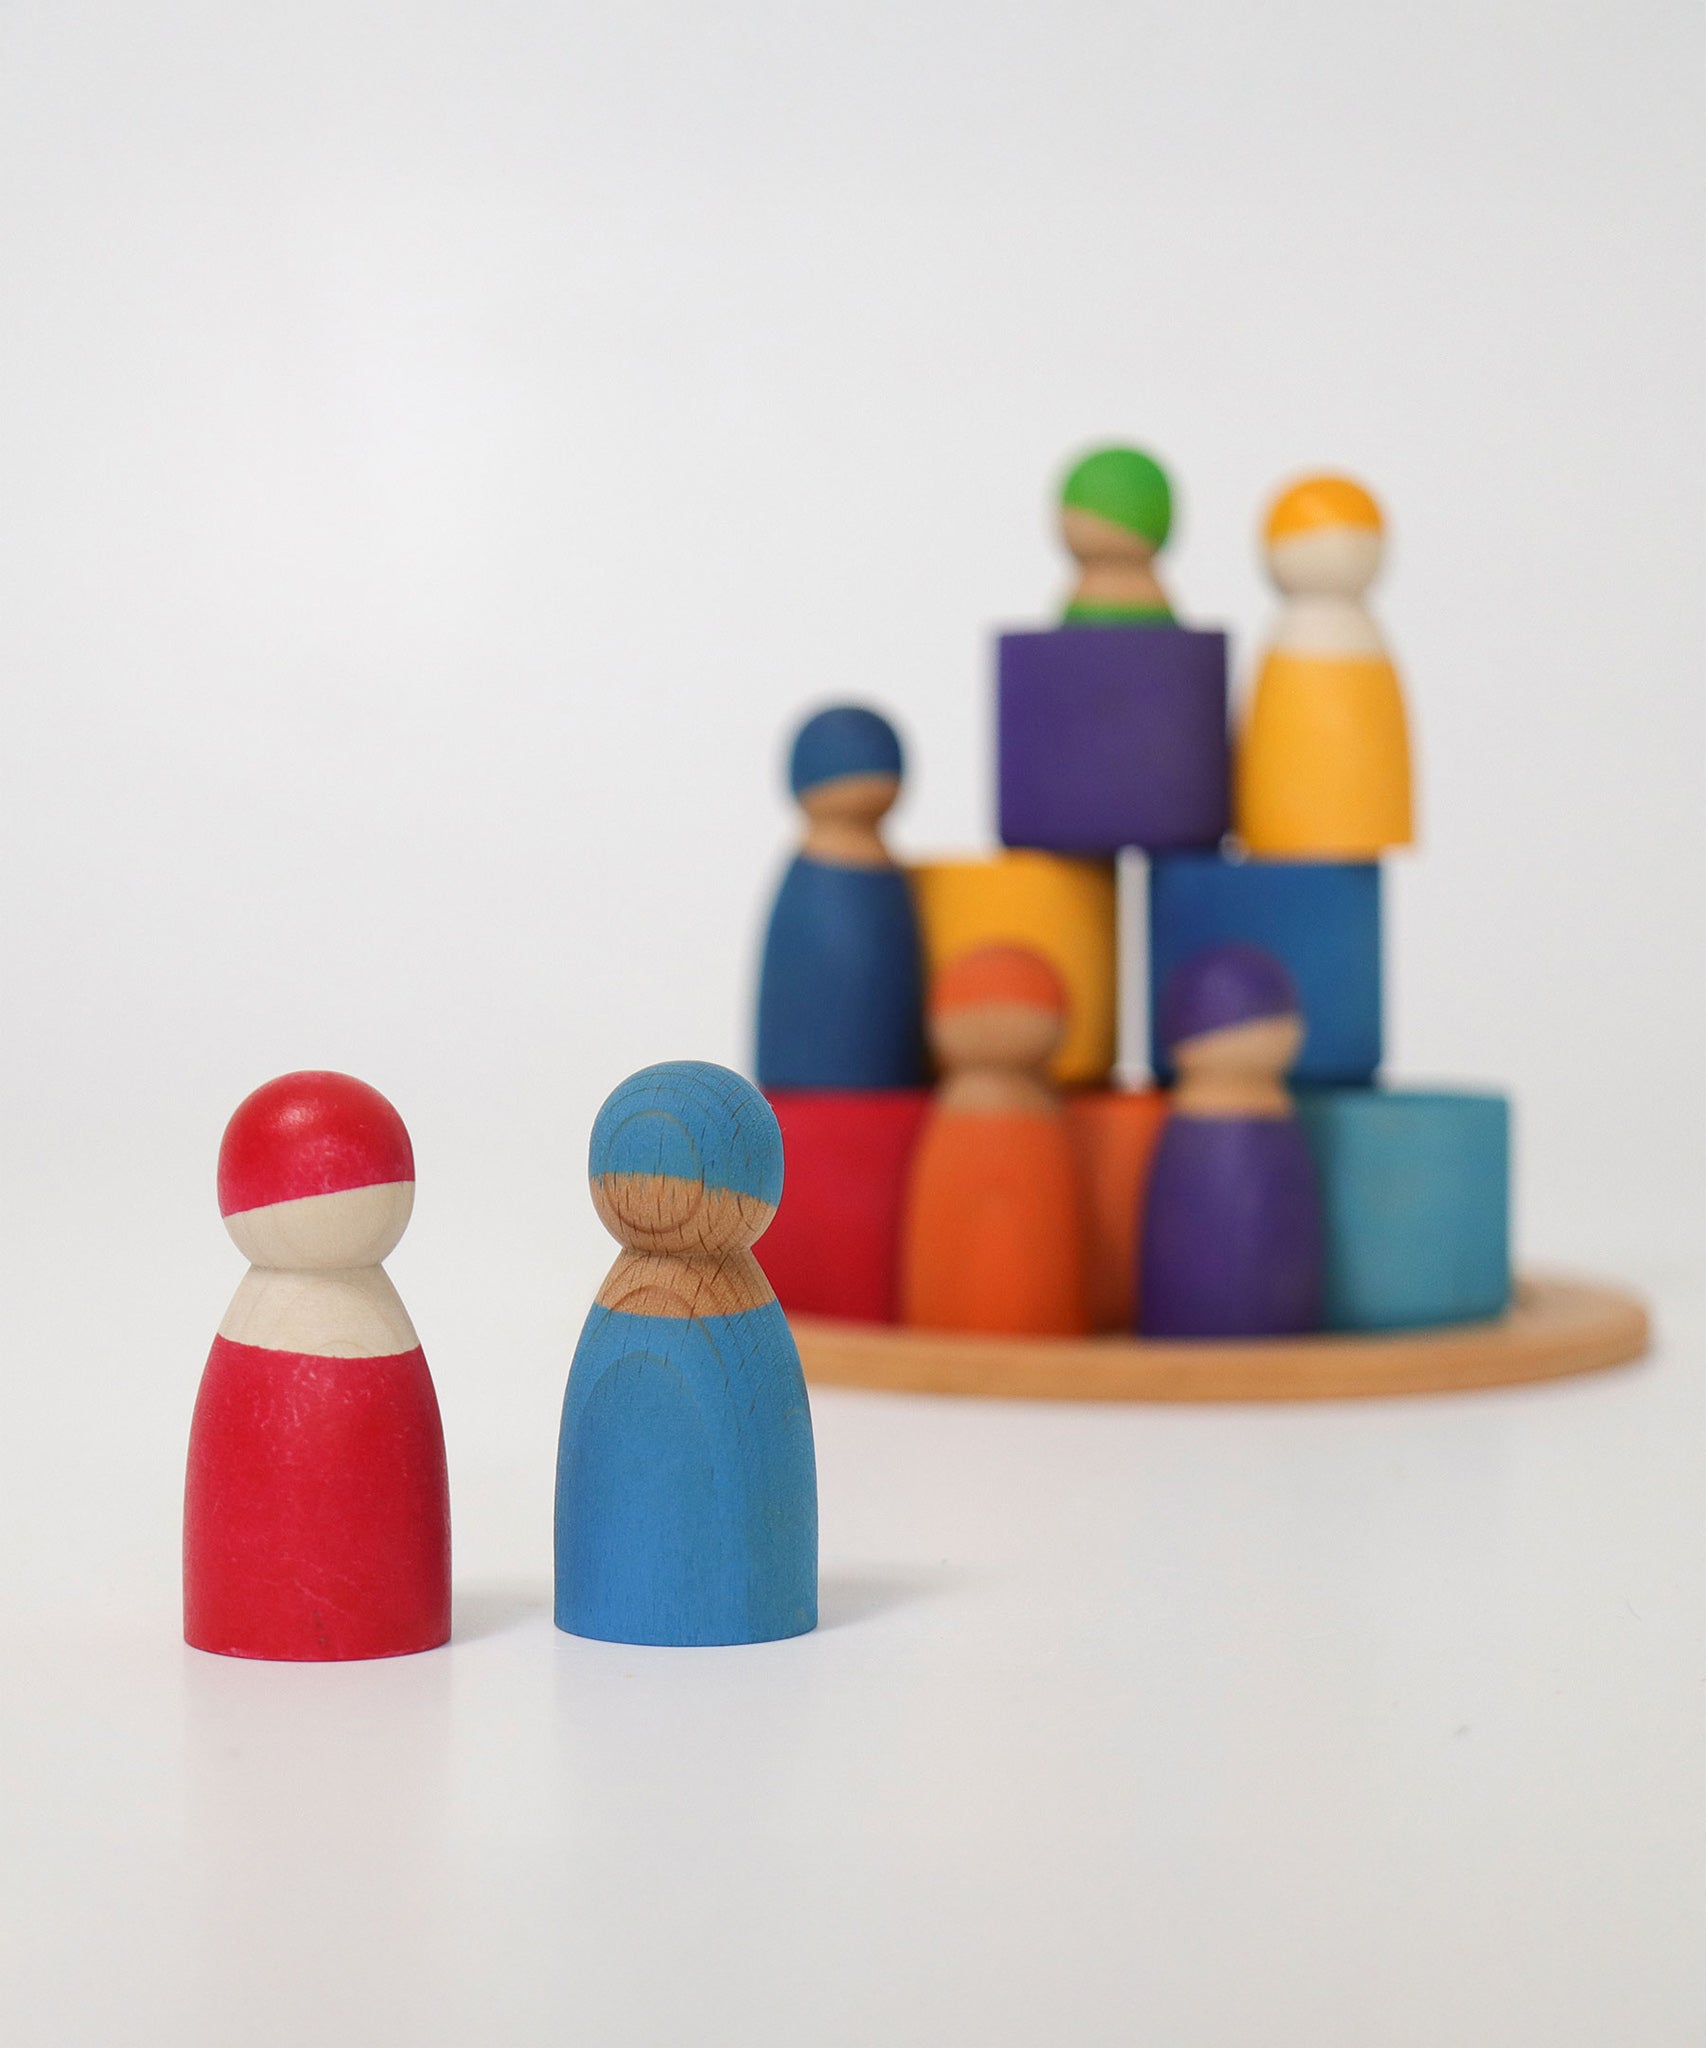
(664,1284)
(1557,1326)
(348,1314)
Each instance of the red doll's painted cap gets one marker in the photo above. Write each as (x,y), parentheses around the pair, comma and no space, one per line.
(310,1134)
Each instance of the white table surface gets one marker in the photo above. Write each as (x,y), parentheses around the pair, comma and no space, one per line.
(1343,1724)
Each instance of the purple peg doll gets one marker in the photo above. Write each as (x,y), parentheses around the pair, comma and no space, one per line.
(1231,1243)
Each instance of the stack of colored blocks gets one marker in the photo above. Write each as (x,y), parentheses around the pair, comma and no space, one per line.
(1127,727)
(1115,737)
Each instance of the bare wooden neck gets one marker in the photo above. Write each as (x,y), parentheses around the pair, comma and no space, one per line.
(996,1091)
(1118,586)
(678,1285)
(1227,1095)
(1334,627)
(845,843)
(353,1312)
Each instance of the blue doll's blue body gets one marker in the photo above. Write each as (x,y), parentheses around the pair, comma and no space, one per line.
(686,1482)
(841,991)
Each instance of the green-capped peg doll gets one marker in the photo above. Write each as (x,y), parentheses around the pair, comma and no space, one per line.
(1116,507)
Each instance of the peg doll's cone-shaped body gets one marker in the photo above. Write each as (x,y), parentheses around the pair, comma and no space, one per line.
(994,1235)
(1323,764)
(1231,1240)
(686,1480)
(316,1508)
(840,1001)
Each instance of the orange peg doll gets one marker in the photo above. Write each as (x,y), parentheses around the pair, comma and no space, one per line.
(993,1237)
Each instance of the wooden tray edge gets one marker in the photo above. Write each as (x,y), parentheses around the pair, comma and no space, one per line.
(1556,1326)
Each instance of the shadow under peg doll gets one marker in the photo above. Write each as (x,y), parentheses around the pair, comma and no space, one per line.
(1231,1243)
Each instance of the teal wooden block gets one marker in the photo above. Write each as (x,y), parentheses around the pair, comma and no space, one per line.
(1415,1201)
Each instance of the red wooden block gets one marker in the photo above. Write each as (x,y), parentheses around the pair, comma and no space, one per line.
(834,1248)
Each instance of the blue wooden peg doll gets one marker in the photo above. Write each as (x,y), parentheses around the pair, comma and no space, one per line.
(1232,1243)
(686,1478)
(841,998)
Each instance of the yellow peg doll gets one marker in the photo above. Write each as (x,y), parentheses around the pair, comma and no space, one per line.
(1323,764)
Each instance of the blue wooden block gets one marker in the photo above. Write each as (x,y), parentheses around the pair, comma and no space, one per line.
(1321,918)
(1112,736)
(1415,1195)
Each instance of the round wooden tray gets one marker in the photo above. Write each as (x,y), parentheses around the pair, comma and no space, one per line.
(1554,1327)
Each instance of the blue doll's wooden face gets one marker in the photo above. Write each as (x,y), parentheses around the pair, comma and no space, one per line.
(850,799)
(686,1158)
(656,1212)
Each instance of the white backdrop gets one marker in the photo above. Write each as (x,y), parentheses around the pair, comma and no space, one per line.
(445,447)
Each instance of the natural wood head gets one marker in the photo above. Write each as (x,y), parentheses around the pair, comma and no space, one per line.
(1324,537)
(325,1233)
(1238,1071)
(652,1212)
(842,817)
(1095,542)
(1231,1024)
(845,772)
(316,1174)
(996,1017)
(1116,508)
(686,1173)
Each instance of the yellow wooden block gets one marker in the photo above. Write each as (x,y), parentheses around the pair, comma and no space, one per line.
(1063,908)
(1323,765)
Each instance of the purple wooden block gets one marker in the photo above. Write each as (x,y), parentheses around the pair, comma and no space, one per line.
(1113,736)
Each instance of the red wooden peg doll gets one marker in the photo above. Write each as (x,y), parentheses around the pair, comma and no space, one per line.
(316,1509)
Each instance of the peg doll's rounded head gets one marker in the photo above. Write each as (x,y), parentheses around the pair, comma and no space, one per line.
(997,1006)
(846,764)
(316,1172)
(1116,503)
(1324,538)
(1231,1010)
(686,1157)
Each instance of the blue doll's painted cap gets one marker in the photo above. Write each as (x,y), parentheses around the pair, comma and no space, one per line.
(847,739)
(1223,986)
(690,1120)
